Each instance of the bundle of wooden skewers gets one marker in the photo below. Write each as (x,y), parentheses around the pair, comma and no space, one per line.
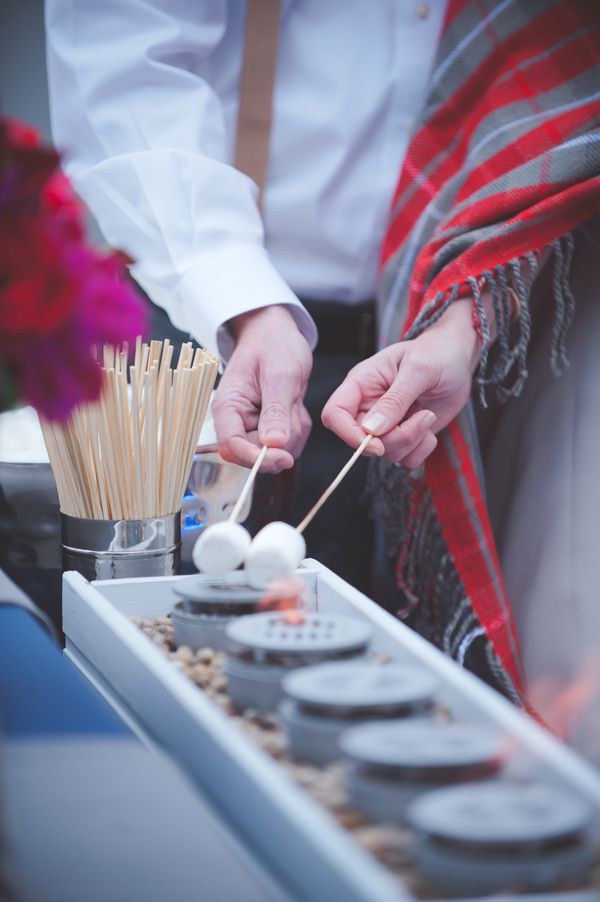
(128,456)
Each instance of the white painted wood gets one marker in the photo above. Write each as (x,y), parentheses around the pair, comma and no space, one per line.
(303,845)
(155,596)
(533,750)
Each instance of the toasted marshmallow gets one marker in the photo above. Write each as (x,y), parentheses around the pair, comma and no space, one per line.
(221,548)
(275,553)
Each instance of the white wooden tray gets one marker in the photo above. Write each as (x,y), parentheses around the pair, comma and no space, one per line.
(303,845)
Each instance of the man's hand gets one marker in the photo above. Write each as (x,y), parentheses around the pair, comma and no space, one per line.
(409,391)
(260,397)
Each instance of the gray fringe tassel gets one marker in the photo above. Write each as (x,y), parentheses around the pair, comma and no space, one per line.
(432,311)
(513,335)
(431,596)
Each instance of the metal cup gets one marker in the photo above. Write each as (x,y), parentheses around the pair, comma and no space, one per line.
(122,549)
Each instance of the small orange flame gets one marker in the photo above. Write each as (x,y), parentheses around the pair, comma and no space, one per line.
(571,707)
(287,596)
(293,617)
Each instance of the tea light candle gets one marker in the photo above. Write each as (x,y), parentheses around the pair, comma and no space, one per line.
(208,606)
(267,646)
(494,836)
(324,700)
(392,763)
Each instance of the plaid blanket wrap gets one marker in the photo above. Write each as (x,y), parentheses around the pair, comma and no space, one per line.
(503,166)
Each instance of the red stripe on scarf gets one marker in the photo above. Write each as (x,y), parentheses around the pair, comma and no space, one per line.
(452,508)
(539,225)
(481,94)
(528,145)
(487,70)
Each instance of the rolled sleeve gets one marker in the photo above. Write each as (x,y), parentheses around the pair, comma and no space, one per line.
(227,282)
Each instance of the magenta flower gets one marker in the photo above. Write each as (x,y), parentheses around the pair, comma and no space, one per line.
(59,298)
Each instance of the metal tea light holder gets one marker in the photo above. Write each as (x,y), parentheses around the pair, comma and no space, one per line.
(390,764)
(267,646)
(322,701)
(201,618)
(485,838)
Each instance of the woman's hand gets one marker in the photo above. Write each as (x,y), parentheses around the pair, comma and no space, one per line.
(409,391)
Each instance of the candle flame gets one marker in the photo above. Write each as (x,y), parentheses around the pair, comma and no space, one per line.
(571,707)
(289,598)
(567,708)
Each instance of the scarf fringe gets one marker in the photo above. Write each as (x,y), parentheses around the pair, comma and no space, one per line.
(514,280)
(431,597)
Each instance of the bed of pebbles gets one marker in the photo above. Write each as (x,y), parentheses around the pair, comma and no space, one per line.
(390,844)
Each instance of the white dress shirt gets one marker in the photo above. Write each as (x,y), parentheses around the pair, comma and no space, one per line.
(144,101)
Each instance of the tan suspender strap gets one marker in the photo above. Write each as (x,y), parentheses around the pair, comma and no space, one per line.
(256,90)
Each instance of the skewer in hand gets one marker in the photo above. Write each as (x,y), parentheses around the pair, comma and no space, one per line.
(278,549)
(223,547)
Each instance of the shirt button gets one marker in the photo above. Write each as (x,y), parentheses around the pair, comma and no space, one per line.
(423,10)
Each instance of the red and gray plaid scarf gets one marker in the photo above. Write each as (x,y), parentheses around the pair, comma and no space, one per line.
(504,164)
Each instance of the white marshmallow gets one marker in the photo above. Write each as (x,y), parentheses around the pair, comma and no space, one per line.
(275,553)
(221,548)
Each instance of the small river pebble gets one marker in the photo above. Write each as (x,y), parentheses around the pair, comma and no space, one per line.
(205,655)
(185,654)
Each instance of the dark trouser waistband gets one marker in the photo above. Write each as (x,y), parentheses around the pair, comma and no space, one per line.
(344,328)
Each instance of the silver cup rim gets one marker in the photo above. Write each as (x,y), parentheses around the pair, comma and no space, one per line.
(120,537)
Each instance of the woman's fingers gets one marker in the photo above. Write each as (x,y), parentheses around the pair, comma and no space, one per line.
(418,455)
(341,412)
(404,439)
(411,381)
(388,386)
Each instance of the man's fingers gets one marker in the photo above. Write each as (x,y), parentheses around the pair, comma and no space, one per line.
(239,446)
(244,452)
(301,428)
(410,383)
(276,460)
(279,394)
(263,386)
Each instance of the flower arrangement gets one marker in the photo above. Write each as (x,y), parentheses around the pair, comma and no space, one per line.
(59,298)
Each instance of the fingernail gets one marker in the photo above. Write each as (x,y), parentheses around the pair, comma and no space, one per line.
(273,437)
(374,423)
(375,449)
(428,420)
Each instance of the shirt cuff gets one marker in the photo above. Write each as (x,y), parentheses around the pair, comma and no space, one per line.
(232,280)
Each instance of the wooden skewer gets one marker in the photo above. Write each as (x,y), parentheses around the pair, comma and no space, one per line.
(137,444)
(138,352)
(248,485)
(128,456)
(333,486)
(204,375)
